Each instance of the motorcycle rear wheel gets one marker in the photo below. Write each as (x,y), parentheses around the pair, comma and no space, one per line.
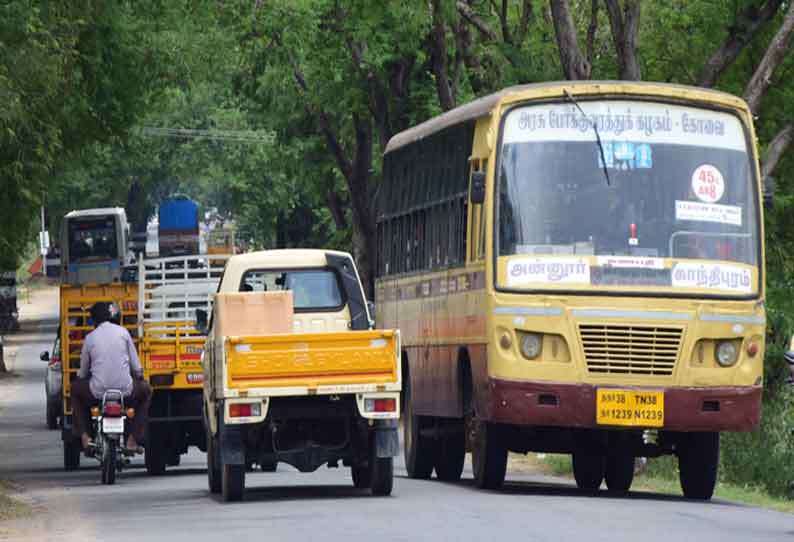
(109,462)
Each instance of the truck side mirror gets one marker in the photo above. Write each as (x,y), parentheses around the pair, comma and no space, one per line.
(769,192)
(477,194)
(201,321)
(45,356)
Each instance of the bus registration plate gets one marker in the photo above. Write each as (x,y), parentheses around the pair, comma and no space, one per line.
(633,408)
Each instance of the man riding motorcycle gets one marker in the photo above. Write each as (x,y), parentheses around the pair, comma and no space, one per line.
(109,361)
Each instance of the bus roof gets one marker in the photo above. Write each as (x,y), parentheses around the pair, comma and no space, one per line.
(483,106)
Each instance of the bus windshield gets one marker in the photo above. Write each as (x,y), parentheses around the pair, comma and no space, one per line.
(666,202)
(92,239)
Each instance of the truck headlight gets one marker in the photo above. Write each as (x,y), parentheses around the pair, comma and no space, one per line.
(727,353)
(531,344)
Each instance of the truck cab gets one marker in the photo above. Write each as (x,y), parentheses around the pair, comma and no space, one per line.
(295,373)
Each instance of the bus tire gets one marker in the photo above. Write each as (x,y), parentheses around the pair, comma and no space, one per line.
(232,482)
(588,469)
(698,463)
(488,455)
(450,456)
(213,466)
(71,454)
(619,472)
(419,450)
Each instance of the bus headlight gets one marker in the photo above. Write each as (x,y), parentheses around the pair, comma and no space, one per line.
(727,353)
(531,345)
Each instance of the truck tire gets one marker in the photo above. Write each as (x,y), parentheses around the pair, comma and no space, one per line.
(381,474)
(53,413)
(362,476)
(488,454)
(71,454)
(213,466)
(419,450)
(232,482)
(450,455)
(619,472)
(588,469)
(698,462)
(155,452)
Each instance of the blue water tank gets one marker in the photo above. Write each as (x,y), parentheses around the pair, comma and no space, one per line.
(180,213)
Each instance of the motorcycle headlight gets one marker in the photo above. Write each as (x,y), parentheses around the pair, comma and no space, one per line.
(531,344)
(727,353)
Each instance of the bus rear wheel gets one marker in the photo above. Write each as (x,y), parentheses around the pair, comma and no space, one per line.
(450,454)
(419,450)
(698,462)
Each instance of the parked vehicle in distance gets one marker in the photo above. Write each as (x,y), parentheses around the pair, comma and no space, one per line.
(178,227)
(9,313)
(294,373)
(53,382)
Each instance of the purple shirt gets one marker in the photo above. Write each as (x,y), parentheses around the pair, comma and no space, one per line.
(109,357)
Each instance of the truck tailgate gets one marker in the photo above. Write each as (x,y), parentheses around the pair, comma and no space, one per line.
(311,360)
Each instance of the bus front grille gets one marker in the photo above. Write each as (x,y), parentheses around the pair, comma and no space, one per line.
(631,350)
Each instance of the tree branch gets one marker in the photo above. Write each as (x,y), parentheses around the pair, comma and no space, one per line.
(743,30)
(467,13)
(523,22)
(591,30)
(777,147)
(574,64)
(506,37)
(773,56)
(625,27)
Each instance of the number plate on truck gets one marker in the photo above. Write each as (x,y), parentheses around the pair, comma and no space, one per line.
(629,407)
(113,425)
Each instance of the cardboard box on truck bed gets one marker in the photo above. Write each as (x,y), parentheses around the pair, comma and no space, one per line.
(253,313)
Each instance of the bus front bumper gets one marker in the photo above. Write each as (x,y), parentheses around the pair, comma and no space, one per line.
(727,408)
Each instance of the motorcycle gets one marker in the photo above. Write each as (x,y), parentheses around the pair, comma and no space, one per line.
(108,427)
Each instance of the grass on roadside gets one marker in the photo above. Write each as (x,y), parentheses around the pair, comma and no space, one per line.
(652,480)
(10,507)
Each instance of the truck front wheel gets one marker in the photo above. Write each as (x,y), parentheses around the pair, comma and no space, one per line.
(213,465)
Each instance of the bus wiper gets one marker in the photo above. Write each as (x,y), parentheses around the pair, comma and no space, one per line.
(595,129)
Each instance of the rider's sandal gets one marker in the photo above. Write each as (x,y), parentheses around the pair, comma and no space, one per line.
(132,451)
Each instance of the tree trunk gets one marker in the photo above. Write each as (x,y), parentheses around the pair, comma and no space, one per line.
(776,149)
(625,29)
(741,32)
(774,55)
(3,368)
(574,64)
(440,59)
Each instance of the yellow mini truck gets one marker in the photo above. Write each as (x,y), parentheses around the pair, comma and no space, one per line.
(294,372)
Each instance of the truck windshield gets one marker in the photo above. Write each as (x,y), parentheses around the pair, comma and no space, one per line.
(92,239)
(676,209)
(312,289)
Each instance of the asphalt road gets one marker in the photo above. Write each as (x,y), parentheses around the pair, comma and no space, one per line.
(287,505)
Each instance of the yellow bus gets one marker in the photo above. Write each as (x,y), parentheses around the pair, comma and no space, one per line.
(576,267)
